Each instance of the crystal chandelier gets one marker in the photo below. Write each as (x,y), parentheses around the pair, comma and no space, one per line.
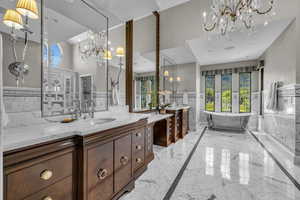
(231,15)
(94,46)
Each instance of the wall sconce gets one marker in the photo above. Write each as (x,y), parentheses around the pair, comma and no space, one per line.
(166,73)
(13,19)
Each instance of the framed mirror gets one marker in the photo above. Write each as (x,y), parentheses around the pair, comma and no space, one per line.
(145,79)
(76,53)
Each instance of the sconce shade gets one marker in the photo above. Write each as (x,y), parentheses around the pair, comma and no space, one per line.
(107,55)
(120,52)
(178,78)
(28,8)
(166,73)
(13,19)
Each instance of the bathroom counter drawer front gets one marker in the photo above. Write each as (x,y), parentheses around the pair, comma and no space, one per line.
(38,174)
(100,171)
(62,190)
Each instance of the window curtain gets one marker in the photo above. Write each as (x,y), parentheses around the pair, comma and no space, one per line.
(229,71)
(145,78)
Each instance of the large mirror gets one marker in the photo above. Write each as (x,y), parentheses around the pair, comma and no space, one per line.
(144,64)
(20,33)
(76,53)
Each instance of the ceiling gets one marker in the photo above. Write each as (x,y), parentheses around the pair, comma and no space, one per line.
(239,46)
(72,18)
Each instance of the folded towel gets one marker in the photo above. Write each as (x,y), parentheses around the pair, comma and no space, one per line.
(273,97)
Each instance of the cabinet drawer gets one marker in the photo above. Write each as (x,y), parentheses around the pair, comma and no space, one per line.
(138,137)
(62,190)
(122,162)
(29,180)
(138,160)
(100,172)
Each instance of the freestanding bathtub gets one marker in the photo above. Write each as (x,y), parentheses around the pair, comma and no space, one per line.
(228,121)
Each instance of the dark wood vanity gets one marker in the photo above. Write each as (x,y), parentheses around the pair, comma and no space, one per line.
(99,166)
(172,129)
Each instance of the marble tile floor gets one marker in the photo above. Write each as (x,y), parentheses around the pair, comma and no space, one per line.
(161,172)
(231,166)
(225,166)
(281,153)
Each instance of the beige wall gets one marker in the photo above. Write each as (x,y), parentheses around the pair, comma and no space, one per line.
(187,72)
(280,58)
(144,32)
(33,59)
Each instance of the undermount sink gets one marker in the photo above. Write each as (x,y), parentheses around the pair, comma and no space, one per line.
(103,120)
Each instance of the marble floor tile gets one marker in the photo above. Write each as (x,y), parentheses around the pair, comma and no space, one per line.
(230,166)
(161,172)
(281,153)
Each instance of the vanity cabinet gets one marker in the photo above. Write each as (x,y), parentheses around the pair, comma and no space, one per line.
(122,162)
(149,140)
(185,122)
(162,132)
(100,170)
(99,166)
(43,172)
(175,125)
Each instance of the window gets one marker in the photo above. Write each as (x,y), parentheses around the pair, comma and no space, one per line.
(210,93)
(245,92)
(55,55)
(226,98)
(147,92)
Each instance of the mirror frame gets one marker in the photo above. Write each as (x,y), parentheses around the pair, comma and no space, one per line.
(129,63)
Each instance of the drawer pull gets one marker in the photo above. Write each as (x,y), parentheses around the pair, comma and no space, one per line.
(46,175)
(139,160)
(124,160)
(138,147)
(102,174)
(47,198)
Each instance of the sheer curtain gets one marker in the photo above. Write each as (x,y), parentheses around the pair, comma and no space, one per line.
(1,118)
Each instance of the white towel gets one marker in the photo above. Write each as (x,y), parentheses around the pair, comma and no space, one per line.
(273,97)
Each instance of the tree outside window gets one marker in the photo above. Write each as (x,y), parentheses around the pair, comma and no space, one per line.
(226,98)
(210,93)
(245,92)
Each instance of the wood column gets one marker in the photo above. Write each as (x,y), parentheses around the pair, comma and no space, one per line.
(157,54)
(129,64)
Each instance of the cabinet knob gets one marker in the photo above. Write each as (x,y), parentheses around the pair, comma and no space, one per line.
(139,160)
(138,147)
(102,174)
(47,198)
(46,175)
(124,160)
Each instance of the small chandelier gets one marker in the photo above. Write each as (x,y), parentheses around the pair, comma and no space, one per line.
(94,46)
(230,15)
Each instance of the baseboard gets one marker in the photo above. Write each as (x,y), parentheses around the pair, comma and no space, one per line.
(297,160)
(292,156)
(281,146)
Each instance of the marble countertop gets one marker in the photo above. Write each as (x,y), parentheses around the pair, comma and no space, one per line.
(178,107)
(158,117)
(19,137)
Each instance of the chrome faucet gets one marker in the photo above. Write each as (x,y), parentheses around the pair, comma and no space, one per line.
(77,109)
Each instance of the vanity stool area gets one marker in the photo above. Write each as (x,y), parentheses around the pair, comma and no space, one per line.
(95,166)
(173,128)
